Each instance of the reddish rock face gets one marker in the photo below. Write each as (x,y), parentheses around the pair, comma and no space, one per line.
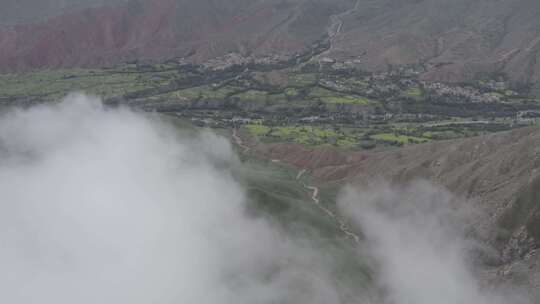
(96,36)
(157,29)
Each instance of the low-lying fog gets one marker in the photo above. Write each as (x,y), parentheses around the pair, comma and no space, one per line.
(112,206)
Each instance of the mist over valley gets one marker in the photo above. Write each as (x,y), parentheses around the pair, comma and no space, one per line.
(269,151)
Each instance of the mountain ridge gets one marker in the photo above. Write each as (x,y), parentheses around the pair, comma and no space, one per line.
(163,29)
(451,42)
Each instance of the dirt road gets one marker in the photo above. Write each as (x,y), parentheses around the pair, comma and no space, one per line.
(343,226)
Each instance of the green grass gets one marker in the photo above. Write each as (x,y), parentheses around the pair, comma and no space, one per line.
(497,95)
(257,129)
(347,100)
(302,80)
(291,92)
(347,142)
(414,93)
(276,98)
(204,93)
(331,97)
(318,92)
(398,138)
(357,83)
(54,84)
(304,134)
(273,194)
(441,135)
(251,95)
(343,137)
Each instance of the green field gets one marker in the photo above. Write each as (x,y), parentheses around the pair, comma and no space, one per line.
(414,93)
(274,193)
(51,85)
(347,100)
(346,137)
(301,134)
(401,139)
(356,110)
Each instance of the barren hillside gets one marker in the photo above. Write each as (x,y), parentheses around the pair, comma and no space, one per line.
(164,29)
(498,174)
(456,40)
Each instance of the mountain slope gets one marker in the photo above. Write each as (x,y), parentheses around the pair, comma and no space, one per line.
(25,11)
(498,174)
(162,29)
(499,171)
(452,41)
(456,40)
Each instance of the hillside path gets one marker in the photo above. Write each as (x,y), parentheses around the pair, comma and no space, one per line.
(343,226)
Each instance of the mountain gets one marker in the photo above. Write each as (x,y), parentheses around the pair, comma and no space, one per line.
(338,91)
(454,41)
(163,29)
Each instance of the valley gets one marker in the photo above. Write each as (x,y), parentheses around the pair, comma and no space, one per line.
(303,100)
(310,95)
(317,98)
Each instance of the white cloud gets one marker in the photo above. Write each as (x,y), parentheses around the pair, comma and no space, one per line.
(111,206)
(415,235)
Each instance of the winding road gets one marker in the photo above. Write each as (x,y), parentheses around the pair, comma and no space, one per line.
(343,226)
